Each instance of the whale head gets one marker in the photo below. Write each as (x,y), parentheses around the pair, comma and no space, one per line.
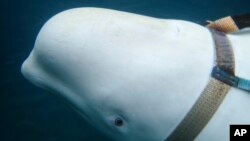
(124,73)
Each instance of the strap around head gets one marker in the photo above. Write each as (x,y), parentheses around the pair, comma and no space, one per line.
(222,78)
(226,25)
(231,23)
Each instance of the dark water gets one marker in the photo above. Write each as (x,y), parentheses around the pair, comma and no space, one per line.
(31,114)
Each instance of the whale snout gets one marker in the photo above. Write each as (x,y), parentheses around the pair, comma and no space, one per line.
(31,71)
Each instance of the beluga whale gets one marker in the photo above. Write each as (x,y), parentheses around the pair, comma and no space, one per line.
(140,78)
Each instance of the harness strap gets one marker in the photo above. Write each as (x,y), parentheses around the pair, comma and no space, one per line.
(225,60)
(211,97)
(226,24)
(201,112)
(231,23)
(230,79)
(222,78)
(224,52)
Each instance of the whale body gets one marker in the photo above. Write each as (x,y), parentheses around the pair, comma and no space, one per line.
(135,77)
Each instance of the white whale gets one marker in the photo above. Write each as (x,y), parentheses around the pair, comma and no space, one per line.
(135,77)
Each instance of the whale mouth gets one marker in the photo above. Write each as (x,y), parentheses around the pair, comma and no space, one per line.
(30,71)
(34,72)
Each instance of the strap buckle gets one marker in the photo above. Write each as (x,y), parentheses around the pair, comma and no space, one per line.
(230,79)
(225,77)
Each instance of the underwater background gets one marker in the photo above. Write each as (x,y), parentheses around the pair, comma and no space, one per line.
(28,113)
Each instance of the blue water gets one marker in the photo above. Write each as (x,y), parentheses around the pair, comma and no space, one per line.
(31,114)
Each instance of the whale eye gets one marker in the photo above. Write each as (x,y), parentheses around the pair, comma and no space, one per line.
(118,122)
